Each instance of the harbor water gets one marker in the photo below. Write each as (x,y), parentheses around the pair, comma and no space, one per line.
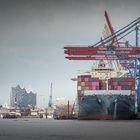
(47,129)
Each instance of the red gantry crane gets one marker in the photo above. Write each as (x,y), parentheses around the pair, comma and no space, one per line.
(121,51)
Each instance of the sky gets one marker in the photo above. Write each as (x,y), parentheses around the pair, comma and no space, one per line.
(34,32)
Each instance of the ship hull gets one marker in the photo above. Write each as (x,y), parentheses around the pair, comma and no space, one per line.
(106,107)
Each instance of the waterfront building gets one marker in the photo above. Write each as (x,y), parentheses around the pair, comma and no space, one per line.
(21,98)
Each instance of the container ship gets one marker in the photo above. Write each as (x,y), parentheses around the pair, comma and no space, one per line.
(105,94)
(111,89)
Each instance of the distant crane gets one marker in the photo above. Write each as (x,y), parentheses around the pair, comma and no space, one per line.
(50,97)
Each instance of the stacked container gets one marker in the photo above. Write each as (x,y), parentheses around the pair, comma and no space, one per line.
(122,83)
(95,83)
(84,83)
(102,85)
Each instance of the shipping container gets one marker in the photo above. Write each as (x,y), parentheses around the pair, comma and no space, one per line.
(86,79)
(95,83)
(83,84)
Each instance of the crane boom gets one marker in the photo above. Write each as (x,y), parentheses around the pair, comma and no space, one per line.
(111,28)
(118,33)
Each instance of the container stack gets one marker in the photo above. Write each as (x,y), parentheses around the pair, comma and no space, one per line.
(121,83)
(102,85)
(86,82)
(95,83)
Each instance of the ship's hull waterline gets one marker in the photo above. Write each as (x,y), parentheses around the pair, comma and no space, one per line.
(106,107)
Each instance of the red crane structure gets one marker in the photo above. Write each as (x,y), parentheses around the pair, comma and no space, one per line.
(114,40)
(102,51)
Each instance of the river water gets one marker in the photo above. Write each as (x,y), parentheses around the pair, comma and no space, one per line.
(43,129)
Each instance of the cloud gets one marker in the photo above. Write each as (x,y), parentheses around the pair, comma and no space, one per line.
(33,33)
(5,52)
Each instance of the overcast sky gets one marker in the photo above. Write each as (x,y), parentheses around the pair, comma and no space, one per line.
(34,32)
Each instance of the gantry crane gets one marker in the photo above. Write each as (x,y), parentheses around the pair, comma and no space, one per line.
(111,48)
